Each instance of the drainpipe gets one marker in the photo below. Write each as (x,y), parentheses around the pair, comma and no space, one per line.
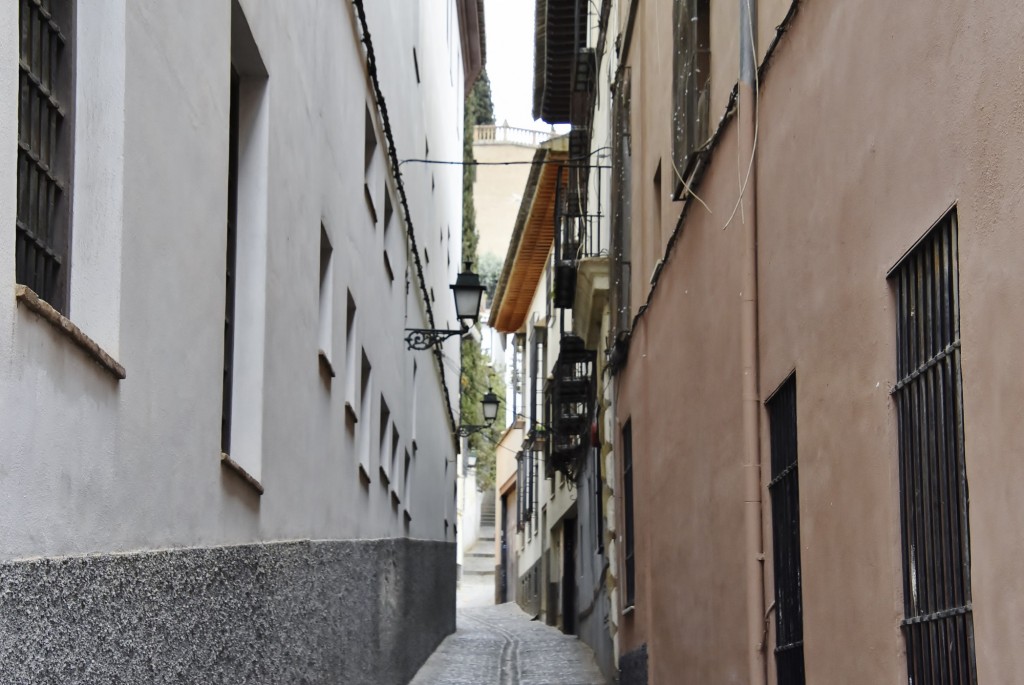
(747,141)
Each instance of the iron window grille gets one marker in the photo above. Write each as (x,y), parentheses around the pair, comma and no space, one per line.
(543,439)
(45,144)
(938,624)
(621,233)
(598,501)
(691,87)
(534,482)
(519,491)
(538,364)
(526,485)
(566,244)
(629,534)
(517,374)
(785,499)
(230,269)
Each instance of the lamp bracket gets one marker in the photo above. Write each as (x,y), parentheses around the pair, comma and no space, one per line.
(426,338)
(466,431)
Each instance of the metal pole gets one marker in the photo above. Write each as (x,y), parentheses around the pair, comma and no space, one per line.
(753,511)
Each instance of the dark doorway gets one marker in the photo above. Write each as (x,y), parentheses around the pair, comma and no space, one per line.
(503,571)
(569,577)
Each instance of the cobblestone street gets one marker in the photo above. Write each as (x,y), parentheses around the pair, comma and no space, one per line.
(501,645)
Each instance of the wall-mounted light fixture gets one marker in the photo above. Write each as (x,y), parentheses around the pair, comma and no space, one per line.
(491,404)
(468,293)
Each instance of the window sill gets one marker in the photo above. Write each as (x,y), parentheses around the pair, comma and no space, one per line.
(27,297)
(233,465)
(369,202)
(325,363)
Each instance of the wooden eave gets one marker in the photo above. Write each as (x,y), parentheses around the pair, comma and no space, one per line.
(473,38)
(531,241)
(556,39)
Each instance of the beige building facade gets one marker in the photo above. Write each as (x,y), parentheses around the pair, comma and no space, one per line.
(834,292)
(504,154)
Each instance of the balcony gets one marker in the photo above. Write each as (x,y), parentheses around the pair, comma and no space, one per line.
(572,401)
(579,238)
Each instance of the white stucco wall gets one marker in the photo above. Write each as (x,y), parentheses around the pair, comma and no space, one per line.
(90,464)
(468,501)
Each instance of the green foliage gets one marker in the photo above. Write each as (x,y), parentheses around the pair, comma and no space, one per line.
(477,374)
(483,108)
(489,268)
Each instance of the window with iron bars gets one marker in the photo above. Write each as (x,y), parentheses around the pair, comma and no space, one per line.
(534,487)
(537,435)
(627,491)
(598,505)
(520,490)
(45,136)
(538,367)
(517,375)
(621,234)
(526,489)
(691,87)
(230,268)
(548,439)
(938,624)
(785,494)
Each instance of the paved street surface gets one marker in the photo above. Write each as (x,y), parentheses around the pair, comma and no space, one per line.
(501,645)
(475,592)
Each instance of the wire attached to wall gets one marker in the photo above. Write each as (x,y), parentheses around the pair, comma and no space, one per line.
(371,67)
(709,147)
(753,147)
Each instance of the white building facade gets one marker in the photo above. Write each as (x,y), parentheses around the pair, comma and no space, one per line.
(217,457)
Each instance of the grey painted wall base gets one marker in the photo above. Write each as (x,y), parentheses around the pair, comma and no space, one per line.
(298,612)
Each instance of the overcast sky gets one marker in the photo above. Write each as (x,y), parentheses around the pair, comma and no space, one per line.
(509,26)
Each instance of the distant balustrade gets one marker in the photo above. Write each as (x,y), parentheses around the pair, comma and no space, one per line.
(503,134)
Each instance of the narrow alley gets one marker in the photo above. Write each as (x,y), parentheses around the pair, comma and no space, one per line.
(541,342)
(501,644)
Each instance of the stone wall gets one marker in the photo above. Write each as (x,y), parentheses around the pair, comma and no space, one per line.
(296,612)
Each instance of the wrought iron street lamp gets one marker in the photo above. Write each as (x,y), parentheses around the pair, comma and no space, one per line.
(490,403)
(468,292)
